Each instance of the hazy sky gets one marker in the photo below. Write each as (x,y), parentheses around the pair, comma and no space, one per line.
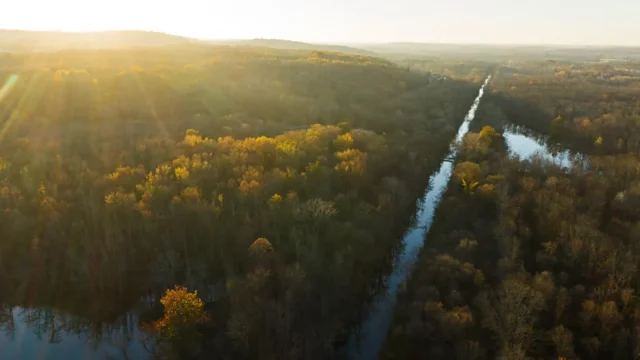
(467,21)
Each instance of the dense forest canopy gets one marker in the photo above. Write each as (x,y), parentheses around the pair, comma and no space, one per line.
(528,259)
(249,198)
(286,176)
(593,107)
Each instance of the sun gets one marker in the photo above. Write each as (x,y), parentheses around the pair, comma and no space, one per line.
(81,15)
(191,18)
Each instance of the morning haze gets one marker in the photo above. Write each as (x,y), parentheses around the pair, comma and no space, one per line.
(576,22)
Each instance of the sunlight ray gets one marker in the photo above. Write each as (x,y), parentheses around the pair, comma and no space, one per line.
(15,112)
(151,106)
(8,85)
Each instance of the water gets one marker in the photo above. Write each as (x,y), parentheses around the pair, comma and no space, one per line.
(525,147)
(367,344)
(521,144)
(47,334)
(526,144)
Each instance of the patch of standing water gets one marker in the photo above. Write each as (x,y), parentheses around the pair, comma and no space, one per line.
(367,343)
(45,334)
(526,146)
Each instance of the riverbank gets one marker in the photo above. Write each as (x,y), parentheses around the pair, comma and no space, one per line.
(435,315)
(366,343)
(530,257)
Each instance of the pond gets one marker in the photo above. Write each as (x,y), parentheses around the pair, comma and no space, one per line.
(527,144)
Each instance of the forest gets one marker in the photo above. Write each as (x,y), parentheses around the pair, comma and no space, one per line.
(238,201)
(529,258)
(172,198)
(582,105)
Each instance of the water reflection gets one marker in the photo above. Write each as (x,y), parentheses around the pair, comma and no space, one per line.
(526,144)
(522,143)
(367,343)
(106,326)
(526,147)
(45,333)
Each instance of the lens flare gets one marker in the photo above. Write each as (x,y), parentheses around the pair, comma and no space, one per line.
(8,85)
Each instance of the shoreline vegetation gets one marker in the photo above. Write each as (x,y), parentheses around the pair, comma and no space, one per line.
(527,259)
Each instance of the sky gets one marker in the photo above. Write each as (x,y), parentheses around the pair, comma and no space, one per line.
(579,22)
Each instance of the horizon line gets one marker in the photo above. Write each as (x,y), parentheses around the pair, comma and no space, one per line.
(342,43)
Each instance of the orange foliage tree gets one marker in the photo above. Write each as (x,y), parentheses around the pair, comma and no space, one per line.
(183,311)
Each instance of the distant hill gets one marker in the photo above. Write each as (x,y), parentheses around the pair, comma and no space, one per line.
(502,52)
(296,45)
(18,40)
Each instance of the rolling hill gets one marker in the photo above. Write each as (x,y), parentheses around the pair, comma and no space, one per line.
(297,45)
(19,40)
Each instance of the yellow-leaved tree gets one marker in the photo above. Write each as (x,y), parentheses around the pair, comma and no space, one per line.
(183,311)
